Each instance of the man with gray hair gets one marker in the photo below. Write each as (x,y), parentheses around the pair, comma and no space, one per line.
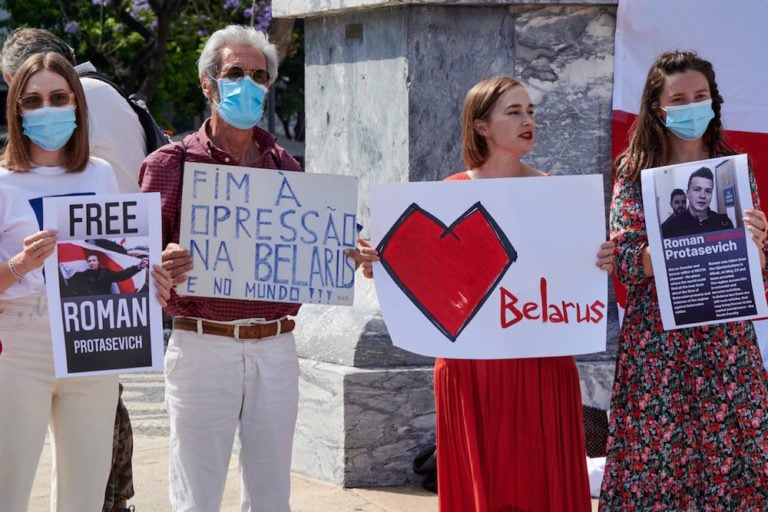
(114,131)
(231,365)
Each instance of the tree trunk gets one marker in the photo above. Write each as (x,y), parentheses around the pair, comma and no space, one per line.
(281,35)
(165,15)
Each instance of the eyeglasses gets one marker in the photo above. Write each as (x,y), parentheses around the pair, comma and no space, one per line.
(34,101)
(235,73)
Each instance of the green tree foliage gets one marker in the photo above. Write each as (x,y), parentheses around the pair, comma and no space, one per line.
(151,46)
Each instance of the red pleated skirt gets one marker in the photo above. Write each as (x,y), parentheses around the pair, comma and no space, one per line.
(510,436)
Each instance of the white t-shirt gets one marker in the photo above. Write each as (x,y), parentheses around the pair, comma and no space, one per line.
(114,131)
(21,209)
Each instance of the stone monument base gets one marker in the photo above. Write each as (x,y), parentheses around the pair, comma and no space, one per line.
(363,427)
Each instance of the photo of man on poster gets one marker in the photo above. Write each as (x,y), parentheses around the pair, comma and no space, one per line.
(97,280)
(698,217)
(678,202)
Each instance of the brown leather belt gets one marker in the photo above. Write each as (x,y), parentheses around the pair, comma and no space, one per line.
(239,331)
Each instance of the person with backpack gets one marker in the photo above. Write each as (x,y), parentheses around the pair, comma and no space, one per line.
(122,135)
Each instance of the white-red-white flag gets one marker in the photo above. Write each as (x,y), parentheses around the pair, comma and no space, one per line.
(732,35)
(72,259)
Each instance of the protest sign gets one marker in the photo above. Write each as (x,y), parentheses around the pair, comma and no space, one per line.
(261,234)
(104,315)
(705,264)
(497,268)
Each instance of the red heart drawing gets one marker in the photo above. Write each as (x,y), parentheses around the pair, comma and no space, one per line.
(448,272)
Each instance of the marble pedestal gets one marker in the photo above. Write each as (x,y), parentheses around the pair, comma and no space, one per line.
(362,427)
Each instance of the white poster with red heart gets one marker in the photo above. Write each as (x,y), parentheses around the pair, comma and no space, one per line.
(488,269)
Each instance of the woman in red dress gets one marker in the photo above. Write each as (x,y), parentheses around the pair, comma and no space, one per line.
(509,431)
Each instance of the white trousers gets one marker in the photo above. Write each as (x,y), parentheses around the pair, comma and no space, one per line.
(213,385)
(79,410)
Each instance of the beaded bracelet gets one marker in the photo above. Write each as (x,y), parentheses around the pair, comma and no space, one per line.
(14,270)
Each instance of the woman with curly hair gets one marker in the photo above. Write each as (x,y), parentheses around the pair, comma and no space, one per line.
(686,429)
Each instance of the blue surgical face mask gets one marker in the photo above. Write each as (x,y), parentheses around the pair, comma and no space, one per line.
(689,122)
(49,127)
(241,102)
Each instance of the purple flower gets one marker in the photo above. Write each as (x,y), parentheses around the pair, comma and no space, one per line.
(72,27)
(100,2)
(202,32)
(139,6)
(231,4)
(264,18)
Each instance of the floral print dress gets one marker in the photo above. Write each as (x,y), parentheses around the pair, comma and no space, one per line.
(689,411)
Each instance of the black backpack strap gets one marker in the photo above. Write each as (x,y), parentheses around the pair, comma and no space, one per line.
(183,153)
(183,149)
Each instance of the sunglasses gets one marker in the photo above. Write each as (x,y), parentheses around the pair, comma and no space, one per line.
(235,73)
(34,101)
